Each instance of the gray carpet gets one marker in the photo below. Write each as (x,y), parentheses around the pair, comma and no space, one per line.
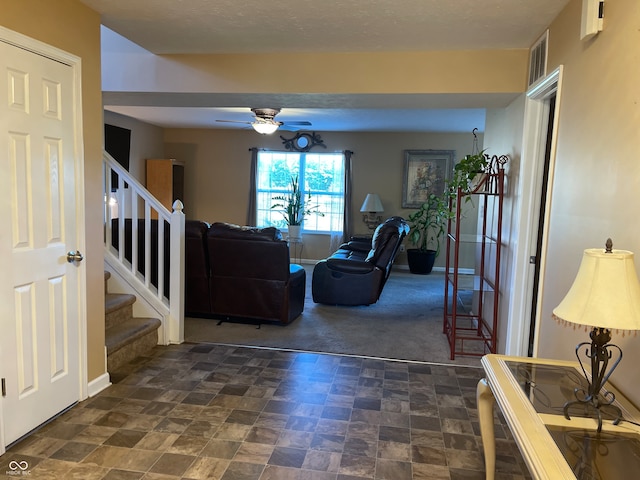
(405,324)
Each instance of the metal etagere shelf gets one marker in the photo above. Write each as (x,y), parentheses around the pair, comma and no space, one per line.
(472,330)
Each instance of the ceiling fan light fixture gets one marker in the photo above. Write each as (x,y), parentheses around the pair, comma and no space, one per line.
(265,128)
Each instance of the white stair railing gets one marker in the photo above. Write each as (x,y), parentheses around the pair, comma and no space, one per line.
(141,235)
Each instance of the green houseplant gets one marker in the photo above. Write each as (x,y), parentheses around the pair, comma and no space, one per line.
(293,207)
(427,225)
(466,171)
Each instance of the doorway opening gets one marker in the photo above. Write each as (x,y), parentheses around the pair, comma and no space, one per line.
(536,174)
(541,222)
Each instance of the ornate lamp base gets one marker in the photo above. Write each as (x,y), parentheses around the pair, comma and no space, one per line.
(371,220)
(599,353)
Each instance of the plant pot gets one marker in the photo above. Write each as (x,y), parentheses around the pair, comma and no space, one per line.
(421,261)
(293,233)
(477,182)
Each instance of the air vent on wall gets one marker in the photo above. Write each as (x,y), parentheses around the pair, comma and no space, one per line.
(538,59)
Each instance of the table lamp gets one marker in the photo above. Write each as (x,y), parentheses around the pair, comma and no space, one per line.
(605,296)
(370,207)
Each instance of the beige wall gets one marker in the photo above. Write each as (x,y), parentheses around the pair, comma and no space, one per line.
(597,173)
(432,72)
(217,171)
(72,27)
(504,137)
(389,72)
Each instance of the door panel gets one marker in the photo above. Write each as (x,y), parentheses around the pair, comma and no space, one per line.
(40,290)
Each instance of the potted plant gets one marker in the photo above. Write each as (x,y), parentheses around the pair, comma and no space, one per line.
(468,173)
(427,225)
(294,207)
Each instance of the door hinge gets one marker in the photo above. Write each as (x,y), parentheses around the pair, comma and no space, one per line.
(533,259)
(4,388)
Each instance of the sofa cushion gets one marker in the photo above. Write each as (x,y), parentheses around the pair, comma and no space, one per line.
(351,264)
(296,271)
(197,270)
(231,231)
(346,254)
(195,228)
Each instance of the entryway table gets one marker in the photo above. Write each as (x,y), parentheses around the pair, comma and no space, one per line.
(531,394)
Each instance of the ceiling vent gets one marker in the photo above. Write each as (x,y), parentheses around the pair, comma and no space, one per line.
(538,59)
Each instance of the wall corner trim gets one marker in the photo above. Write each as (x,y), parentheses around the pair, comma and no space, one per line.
(98,384)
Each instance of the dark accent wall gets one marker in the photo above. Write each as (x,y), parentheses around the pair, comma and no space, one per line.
(117,143)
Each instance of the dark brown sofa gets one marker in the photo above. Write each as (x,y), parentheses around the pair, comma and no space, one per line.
(197,273)
(231,272)
(251,276)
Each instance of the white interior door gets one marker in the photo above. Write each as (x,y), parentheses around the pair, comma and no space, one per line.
(41,293)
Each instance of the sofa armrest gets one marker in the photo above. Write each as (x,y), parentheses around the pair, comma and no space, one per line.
(349,266)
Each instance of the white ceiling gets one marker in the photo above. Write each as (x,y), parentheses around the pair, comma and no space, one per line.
(249,26)
(260,26)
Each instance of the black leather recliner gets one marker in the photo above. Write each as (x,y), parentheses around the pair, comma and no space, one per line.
(356,273)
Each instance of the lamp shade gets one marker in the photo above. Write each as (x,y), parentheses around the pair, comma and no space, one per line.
(605,292)
(265,128)
(372,203)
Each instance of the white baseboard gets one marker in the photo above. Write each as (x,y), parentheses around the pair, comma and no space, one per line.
(98,384)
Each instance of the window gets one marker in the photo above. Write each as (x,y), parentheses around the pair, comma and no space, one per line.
(321,174)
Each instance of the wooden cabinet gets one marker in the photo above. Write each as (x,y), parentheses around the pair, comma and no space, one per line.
(165,180)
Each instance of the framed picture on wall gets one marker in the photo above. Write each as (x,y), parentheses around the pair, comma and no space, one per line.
(425,172)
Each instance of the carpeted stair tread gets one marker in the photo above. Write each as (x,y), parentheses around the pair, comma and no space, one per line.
(116,301)
(128,332)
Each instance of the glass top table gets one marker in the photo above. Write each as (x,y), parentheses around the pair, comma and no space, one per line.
(531,394)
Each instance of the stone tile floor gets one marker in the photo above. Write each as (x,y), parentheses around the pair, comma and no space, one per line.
(206,411)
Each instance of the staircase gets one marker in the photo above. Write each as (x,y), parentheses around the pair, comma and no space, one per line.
(126,337)
(146,234)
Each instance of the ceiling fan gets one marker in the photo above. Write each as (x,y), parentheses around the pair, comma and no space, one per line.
(264,121)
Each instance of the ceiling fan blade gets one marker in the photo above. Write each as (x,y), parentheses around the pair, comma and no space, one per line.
(289,128)
(305,124)
(233,121)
